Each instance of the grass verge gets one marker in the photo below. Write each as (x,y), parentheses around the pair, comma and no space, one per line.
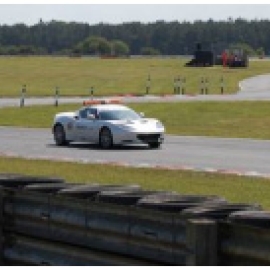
(247,119)
(233,188)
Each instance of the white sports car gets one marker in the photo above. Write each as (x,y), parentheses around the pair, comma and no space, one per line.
(107,125)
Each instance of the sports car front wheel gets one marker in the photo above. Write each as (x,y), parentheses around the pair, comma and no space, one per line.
(59,135)
(105,139)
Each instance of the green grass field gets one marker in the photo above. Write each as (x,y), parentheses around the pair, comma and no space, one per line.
(233,188)
(247,119)
(75,76)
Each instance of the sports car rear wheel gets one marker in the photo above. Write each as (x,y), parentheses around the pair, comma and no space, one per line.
(105,139)
(59,135)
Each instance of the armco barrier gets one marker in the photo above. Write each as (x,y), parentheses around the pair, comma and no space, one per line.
(112,228)
(243,245)
(51,224)
(1,225)
(21,250)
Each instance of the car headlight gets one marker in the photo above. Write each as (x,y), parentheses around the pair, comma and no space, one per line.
(159,125)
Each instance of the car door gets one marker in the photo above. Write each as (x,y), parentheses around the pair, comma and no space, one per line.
(84,126)
(93,126)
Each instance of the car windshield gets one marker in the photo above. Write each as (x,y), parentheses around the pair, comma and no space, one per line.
(118,115)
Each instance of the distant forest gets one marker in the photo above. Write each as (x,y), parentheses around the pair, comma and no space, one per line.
(134,38)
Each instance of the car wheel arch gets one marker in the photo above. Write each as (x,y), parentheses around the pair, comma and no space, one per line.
(58,124)
(102,128)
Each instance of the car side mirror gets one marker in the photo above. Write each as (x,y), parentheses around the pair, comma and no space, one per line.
(142,115)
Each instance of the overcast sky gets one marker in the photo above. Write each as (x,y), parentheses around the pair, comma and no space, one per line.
(30,14)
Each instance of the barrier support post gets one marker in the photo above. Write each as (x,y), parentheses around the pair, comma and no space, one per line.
(22,96)
(222,85)
(202,242)
(174,86)
(56,103)
(92,92)
(202,85)
(183,85)
(206,86)
(148,84)
(179,85)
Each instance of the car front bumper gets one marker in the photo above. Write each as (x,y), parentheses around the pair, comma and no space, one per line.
(138,137)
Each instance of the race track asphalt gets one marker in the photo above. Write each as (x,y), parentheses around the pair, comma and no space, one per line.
(236,156)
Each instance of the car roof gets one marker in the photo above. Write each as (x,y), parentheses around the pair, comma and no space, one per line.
(106,107)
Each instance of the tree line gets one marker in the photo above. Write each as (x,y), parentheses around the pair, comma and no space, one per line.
(134,38)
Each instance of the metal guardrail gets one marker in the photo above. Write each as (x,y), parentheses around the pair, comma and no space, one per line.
(243,245)
(21,250)
(126,230)
(52,225)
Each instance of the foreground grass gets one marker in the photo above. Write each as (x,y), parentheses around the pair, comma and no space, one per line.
(249,119)
(75,76)
(233,188)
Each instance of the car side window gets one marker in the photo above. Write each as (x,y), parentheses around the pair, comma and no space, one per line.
(93,111)
(83,113)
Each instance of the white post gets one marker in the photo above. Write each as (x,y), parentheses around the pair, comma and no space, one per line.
(92,92)
(23,92)
(222,85)
(56,96)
